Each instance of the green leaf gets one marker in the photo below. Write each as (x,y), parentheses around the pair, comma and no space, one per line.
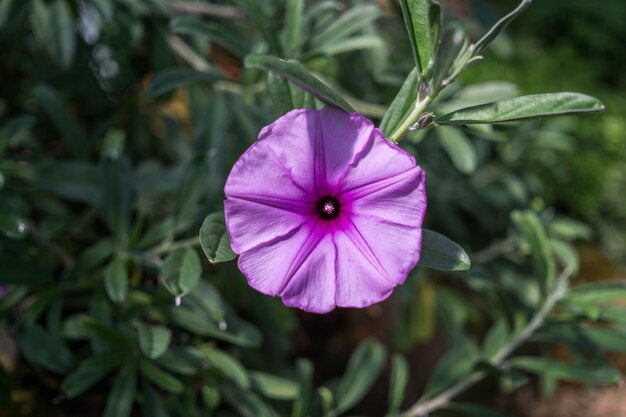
(439,252)
(402,104)
(120,400)
(210,391)
(535,106)
(453,44)
(67,126)
(153,340)
(496,338)
(42,348)
(280,94)
(191,25)
(293,27)
(587,373)
(182,360)
(12,225)
(75,181)
(238,333)
(274,387)
(304,375)
(397,383)
(500,26)
(341,46)
(417,22)
(160,378)
(173,78)
(264,23)
(459,148)
(599,292)
(296,73)
(192,187)
(348,23)
(533,231)
(116,280)
(214,239)
(181,271)
(230,367)
(457,363)
(117,196)
(247,403)
(364,368)
(89,373)
(152,403)
(475,410)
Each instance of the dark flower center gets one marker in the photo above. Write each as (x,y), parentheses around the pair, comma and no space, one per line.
(328,207)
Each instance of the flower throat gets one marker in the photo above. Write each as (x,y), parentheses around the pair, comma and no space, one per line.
(328,207)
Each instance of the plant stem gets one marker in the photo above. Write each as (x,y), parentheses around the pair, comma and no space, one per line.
(425,407)
(419,108)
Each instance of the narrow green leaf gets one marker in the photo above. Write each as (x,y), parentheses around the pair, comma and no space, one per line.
(210,391)
(296,73)
(280,94)
(153,340)
(238,333)
(455,364)
(274,387)
(341,46)
(349,22)
(397,383)
(191,25)
(523,108)
(294,29)
(120,400)
(600,292)
(116,280)
(364,368)
(181,271)
(181,360)
(417,22)
(459,148)
(117,197)
(500,26)
(70,131)
(304,374)
(170,79)
(42,348)
(160,378)
(192,187)
(228,366)
(261,19)
(496,338)
(152,403)
(89,373)
(402,104)
(214,239)
(533,231)
(453,43)
(587,373)
(439,252)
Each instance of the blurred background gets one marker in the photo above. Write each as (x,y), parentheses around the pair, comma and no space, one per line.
(120,120)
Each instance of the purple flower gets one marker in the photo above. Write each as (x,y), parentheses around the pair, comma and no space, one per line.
(324,211)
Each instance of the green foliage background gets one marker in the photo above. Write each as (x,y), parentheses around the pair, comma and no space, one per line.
(119,122)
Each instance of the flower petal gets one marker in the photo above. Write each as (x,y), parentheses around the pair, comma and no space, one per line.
(378,160)
(344,136)
(251,224)
(299,266)
(358,283)
(390,221)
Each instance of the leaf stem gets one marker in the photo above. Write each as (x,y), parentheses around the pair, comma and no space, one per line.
(424,407)
(419,108)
